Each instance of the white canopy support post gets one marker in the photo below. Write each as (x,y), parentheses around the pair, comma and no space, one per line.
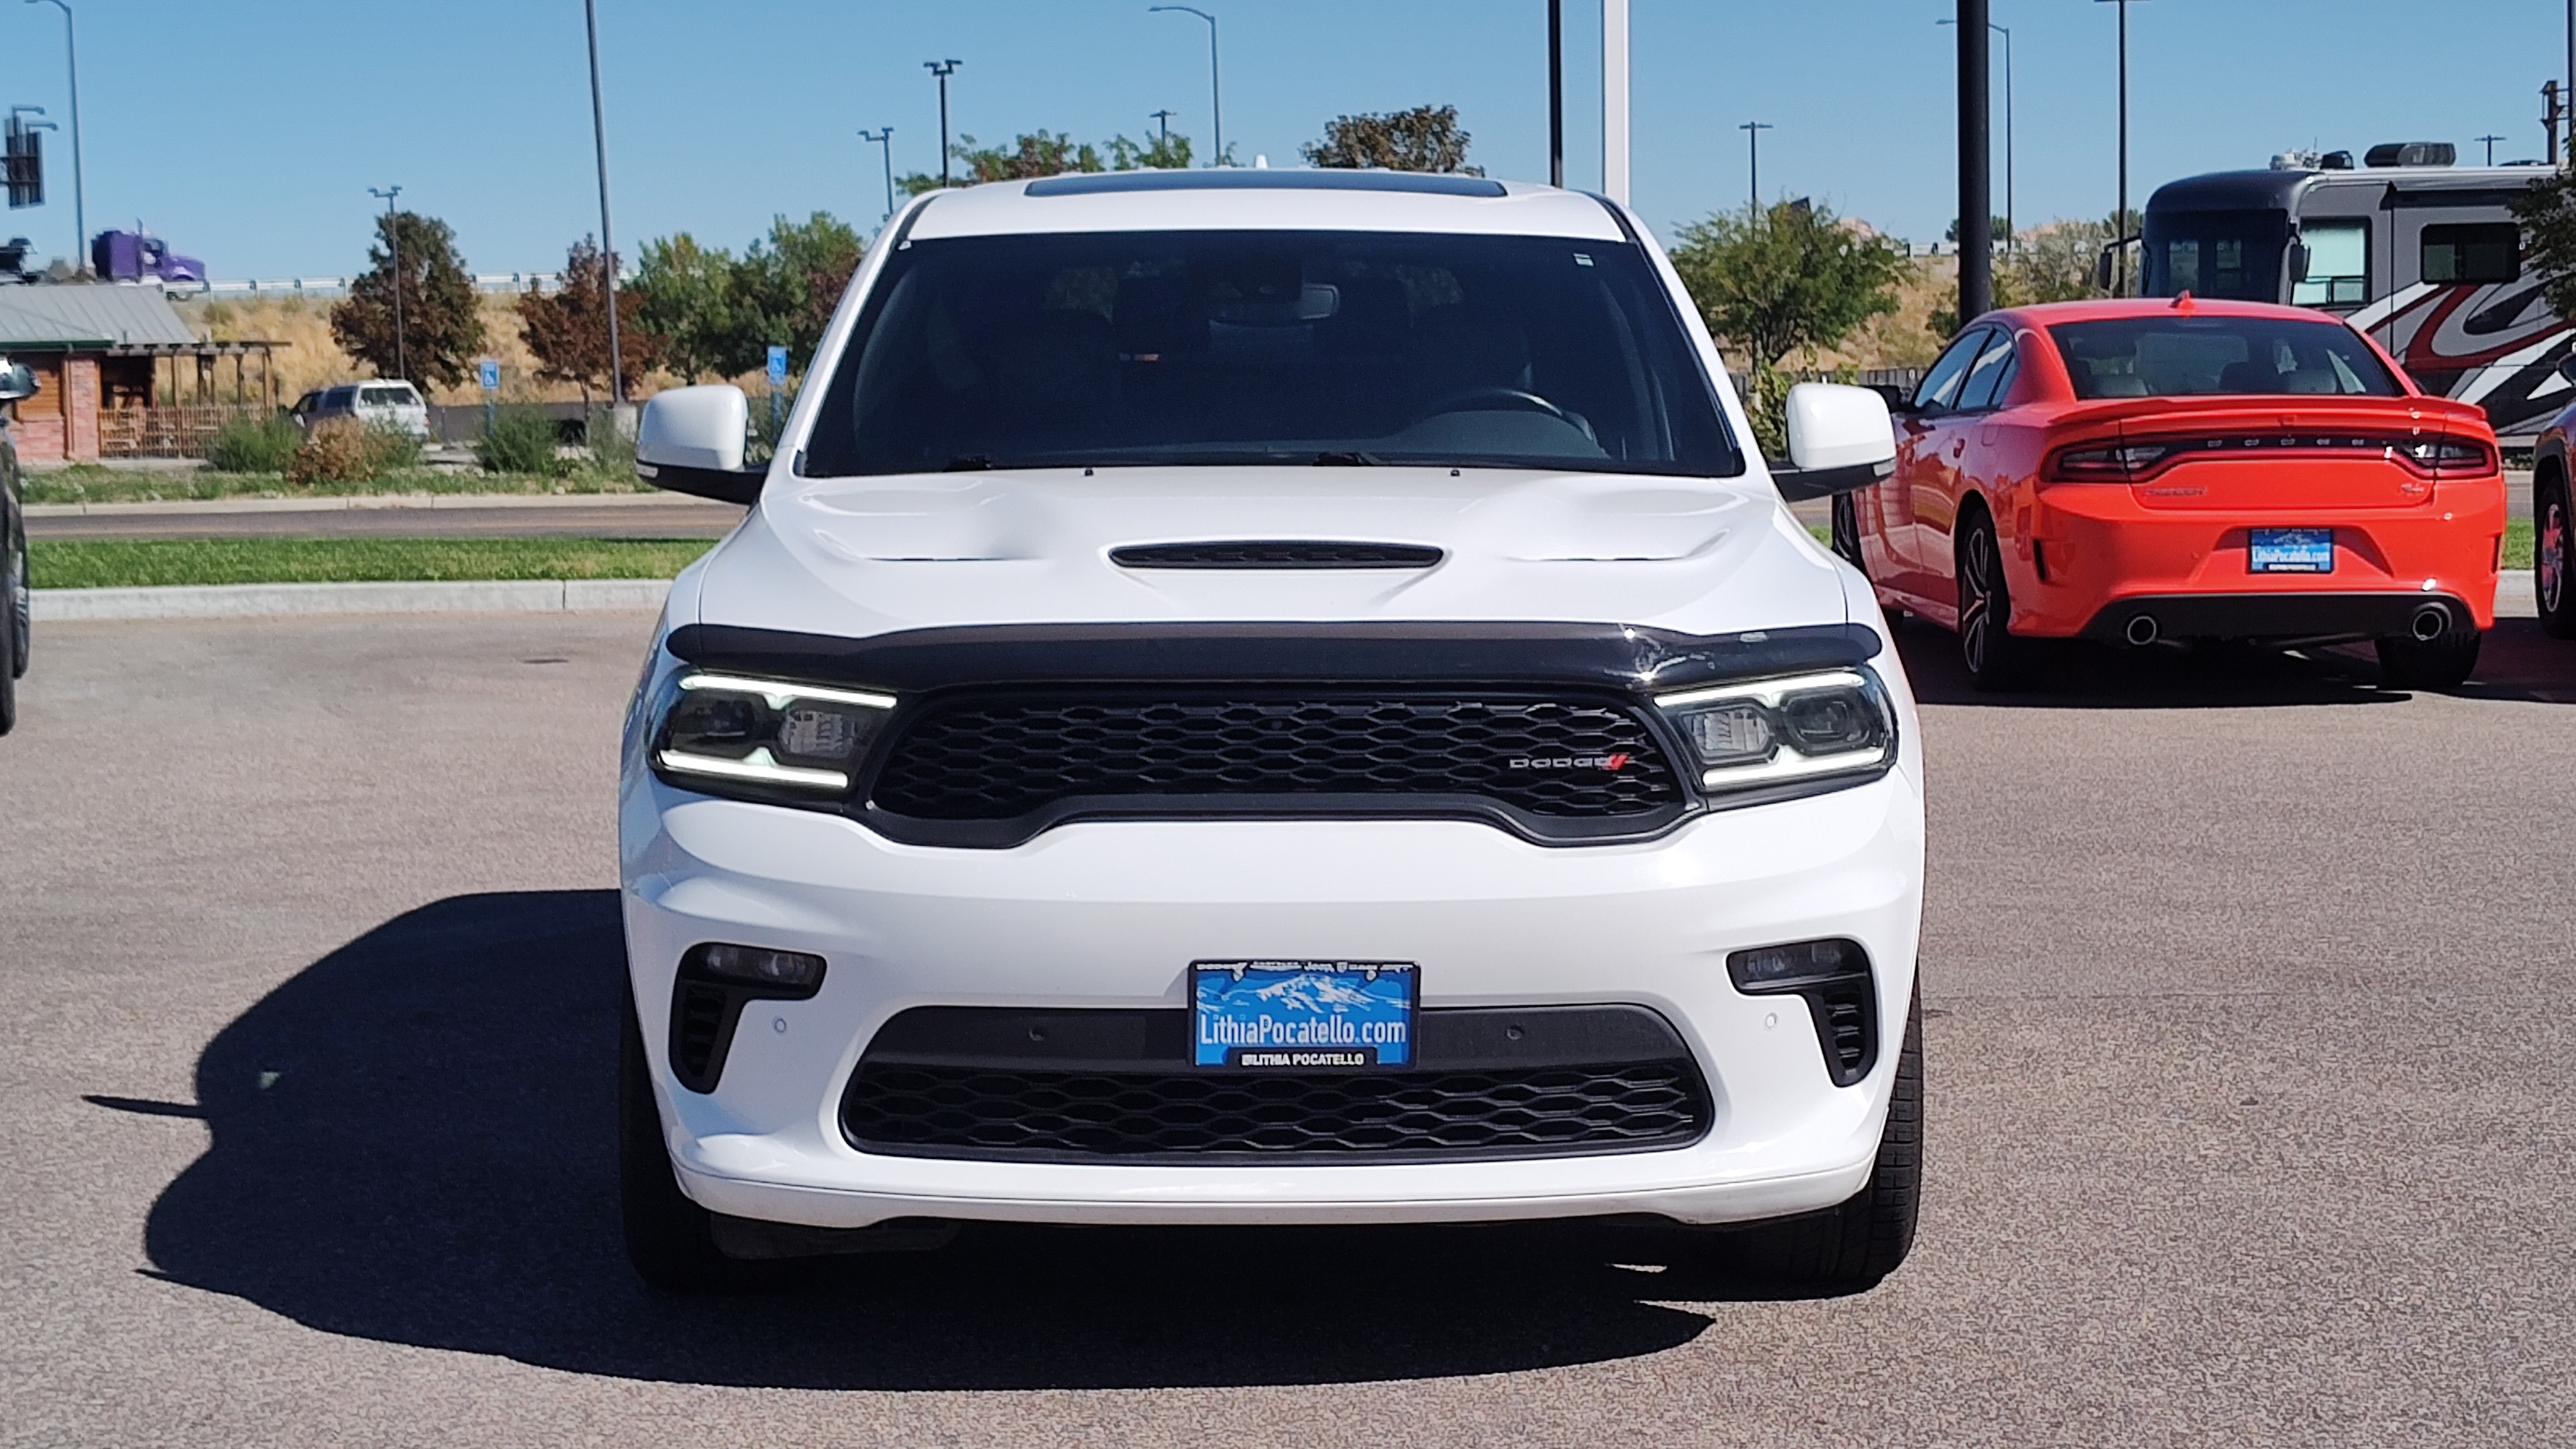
(1614,100)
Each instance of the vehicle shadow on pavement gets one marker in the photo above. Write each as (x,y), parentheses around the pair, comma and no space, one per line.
(413,1142)
(2518,662)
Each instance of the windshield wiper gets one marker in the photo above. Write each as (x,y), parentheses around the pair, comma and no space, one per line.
(1352,459)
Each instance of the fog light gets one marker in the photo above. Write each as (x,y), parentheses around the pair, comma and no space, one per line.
(1786,968)
(756,966)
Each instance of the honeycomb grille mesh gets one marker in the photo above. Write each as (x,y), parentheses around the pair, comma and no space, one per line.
(1532,1112)
(1000,759)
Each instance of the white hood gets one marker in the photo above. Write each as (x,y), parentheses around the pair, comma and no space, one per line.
(856,557)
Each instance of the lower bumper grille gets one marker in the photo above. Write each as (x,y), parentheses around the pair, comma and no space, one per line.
(1074,1086)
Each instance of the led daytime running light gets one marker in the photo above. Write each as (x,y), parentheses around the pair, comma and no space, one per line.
(778,692)
(759,765)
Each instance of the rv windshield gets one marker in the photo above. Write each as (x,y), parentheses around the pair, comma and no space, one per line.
(1142,349)
(2234,255)
(2182,356)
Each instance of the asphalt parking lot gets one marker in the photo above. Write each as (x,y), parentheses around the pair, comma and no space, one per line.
(2250,1061)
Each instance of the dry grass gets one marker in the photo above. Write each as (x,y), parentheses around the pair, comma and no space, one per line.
(312,359)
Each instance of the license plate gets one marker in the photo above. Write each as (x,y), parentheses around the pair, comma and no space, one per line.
(1303,1016)
(2293,551)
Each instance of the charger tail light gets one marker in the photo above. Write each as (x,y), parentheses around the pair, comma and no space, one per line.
(2135,462)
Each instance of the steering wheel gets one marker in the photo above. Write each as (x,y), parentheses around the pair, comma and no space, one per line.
(1518,401)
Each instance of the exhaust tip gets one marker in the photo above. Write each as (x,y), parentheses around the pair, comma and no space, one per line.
(2142,630)
(2431,622)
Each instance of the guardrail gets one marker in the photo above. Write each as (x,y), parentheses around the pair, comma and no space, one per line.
(339,286)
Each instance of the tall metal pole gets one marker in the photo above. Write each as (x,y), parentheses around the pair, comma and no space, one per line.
(1753,143)
(884,139)
(1216,76)
(393,238)
(2491,140)
(2120,218)
(1976,162)
(2012,229)
(1162,120)
(1556,91)
(1614,100)
(2553,135)
(943,69)
(607,241)
(80,205)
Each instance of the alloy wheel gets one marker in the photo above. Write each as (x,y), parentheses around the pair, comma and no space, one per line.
(1977,574)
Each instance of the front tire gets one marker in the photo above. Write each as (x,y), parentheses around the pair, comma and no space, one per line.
(669,1238)
(1851,1247)
(2442,662)
(1995,660)
(2553,569)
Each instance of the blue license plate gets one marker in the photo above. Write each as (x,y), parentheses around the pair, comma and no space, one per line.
(1303,1016)
(2293,551)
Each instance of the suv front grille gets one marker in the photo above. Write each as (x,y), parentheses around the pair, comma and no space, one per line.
(1003,758)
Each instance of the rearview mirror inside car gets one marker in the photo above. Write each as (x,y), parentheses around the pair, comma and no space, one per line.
(692,440)
(1840,439)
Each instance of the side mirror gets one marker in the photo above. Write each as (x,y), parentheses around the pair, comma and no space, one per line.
(16,382)
(692,440)
(1840,440)
(2567,367)
(2102,267)
(2297,261)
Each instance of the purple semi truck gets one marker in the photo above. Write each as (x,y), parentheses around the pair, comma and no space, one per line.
(139,256)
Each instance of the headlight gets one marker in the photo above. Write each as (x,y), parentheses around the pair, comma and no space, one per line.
(765,732)
(1773,730)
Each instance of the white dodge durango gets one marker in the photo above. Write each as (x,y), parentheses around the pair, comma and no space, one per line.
(1268,697)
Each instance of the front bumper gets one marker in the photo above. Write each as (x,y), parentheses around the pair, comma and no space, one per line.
(1109,914)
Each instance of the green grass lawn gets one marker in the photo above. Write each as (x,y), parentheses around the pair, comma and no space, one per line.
(135,563)
(89,483)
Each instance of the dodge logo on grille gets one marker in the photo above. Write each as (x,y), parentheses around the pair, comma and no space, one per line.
(1612,763)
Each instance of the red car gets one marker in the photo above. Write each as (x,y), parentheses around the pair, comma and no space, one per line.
(2173,469)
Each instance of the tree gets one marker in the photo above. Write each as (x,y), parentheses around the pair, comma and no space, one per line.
(1774,280)
(2547,211)
(442,326)
(787,285)
(1045,153)
(1167,152)
(2053,263)
(684,299)
(568,330)
(1425,138)
(714,313)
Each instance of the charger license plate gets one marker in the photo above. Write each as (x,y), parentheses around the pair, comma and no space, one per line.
(1303,1016)
(2292,551)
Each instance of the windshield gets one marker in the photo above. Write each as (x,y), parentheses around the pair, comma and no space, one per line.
(2234,255)
(1269,347)
(2189,356)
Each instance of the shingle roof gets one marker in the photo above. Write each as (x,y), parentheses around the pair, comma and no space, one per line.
(105,315)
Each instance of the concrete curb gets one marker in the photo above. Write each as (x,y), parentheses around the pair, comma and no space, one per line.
(253,601)
(364,500)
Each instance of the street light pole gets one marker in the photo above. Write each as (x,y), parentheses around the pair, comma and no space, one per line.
(943,69)
(1753,143)
(80,206)
(2491,140)
(1556,91)
(1216,77)
(607,243)
(393,239)
(883,137)
(2012,229)
(2120,218)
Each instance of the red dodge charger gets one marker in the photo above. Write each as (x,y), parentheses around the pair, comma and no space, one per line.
(2173,469)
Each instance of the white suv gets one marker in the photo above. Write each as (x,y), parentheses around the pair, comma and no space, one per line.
(1268,697)
(394,405)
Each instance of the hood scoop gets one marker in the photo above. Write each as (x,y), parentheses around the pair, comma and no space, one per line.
(1275,554)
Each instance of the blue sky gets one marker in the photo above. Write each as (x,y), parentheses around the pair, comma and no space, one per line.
(249,133)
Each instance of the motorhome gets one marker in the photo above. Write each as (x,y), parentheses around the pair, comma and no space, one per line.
(2423,254)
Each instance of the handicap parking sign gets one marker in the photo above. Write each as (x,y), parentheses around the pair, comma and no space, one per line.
(777,365)
(491,371)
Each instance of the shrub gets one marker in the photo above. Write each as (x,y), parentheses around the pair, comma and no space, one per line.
(254,445)
(390,447)
(333,453)
(612,453)
(519,440)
